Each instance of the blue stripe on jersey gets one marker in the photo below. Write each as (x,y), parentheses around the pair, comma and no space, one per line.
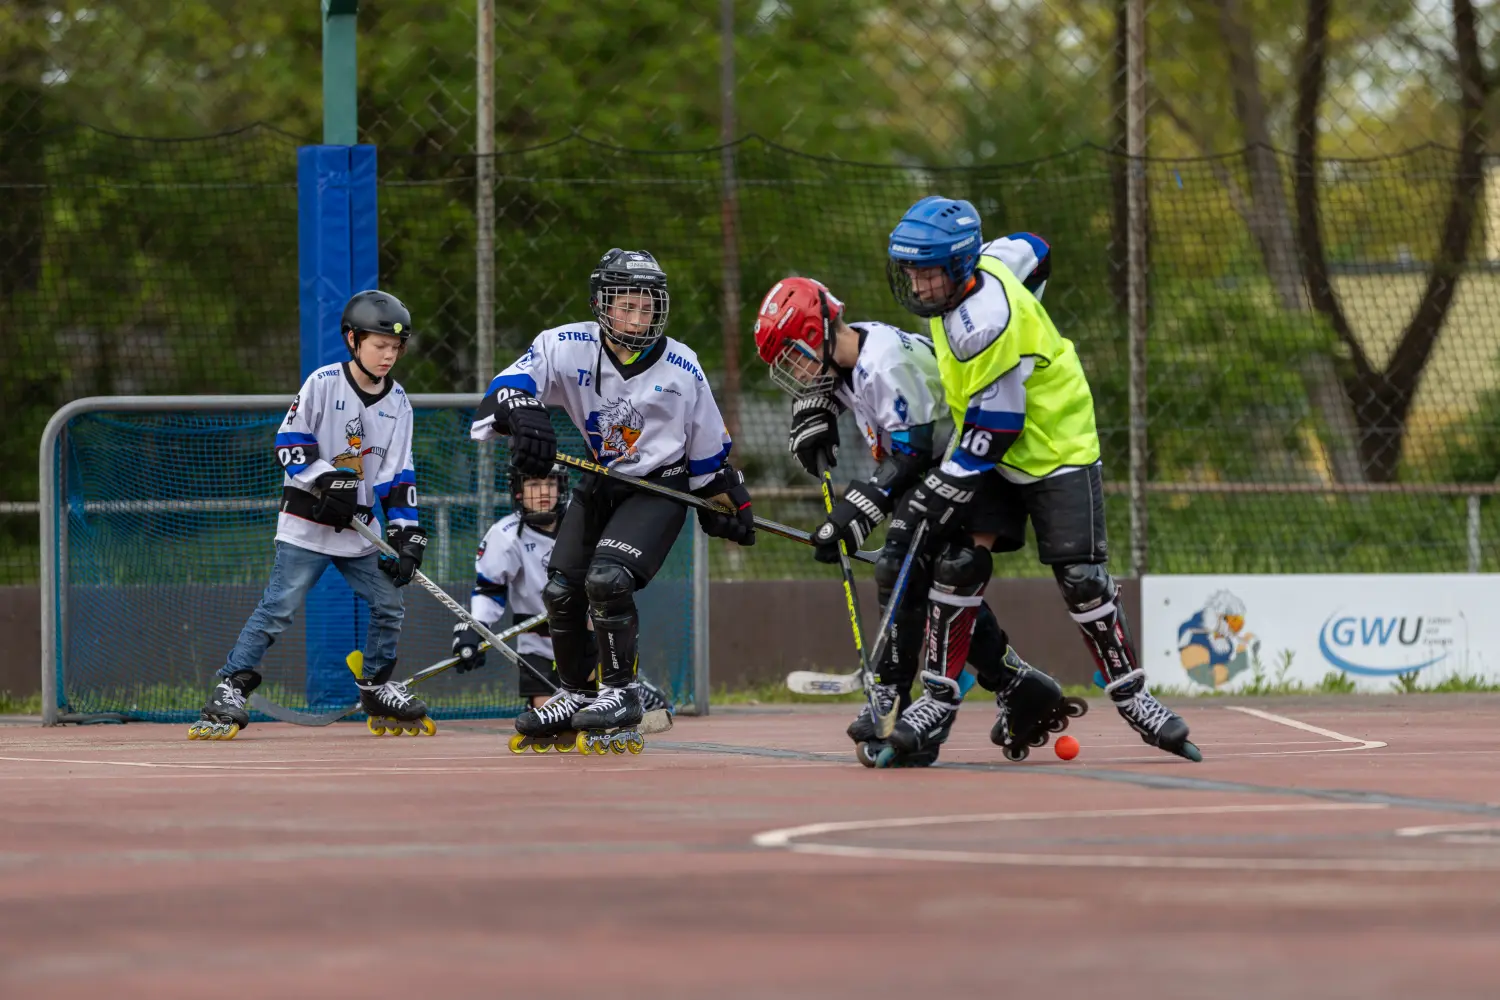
(496,591)
(517,380)
(703,466)
(965,460)
(382,490)
(401,514)
(994,420)
(295,437)
(1039,246)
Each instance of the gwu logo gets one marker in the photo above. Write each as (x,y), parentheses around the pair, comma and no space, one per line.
(681,362)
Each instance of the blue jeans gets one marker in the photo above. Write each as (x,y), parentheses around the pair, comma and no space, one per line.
(293,575)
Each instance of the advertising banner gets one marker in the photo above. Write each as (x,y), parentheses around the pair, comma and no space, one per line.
(1202,634)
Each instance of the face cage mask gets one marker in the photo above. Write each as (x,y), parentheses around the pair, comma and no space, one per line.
(545,517)
(904,290)
(660,302)
(797,371)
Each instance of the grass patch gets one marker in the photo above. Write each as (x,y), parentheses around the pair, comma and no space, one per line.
(14,705)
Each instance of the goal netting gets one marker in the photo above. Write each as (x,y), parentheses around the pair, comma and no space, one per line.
(162,520)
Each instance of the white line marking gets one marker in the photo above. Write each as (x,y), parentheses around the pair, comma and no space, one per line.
(1306,728)
(784,837)
(1427,831)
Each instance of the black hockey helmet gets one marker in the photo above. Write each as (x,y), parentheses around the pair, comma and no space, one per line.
(547,517)
(621,272)
(374,311)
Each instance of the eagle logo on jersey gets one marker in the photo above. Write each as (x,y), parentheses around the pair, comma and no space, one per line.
(613,431)
(352,457)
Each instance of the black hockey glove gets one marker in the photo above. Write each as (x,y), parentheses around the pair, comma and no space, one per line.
(941,498)
(533,442)
(737,527)
(814,436)
(338,498)
(466,647)
(853,519)
(410,545)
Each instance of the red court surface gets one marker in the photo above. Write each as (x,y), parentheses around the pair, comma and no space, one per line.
(1328,847)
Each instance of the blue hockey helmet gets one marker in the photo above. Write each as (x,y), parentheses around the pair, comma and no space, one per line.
(935,232)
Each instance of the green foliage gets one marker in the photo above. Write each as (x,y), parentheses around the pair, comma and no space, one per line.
(1335,682)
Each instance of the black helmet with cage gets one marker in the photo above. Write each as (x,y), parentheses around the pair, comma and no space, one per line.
(629,299)
(540,516)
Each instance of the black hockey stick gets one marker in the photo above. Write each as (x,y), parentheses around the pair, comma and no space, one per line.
(884,721)
(771,527)
(813,682)
(283,714)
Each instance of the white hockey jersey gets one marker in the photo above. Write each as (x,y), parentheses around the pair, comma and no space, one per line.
(333,424)
(894,387)
(639,418)
(510,571)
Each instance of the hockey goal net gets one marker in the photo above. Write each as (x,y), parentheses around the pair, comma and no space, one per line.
(158,520)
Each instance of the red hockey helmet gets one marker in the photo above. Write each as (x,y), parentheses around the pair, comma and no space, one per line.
(794,335)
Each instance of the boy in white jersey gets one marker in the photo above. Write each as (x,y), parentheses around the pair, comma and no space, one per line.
(889,379)
(510,571)
(345,443)
(644,407)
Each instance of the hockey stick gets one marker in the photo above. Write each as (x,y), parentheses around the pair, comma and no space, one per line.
(771,527)
(884,721)
(811,682)
(283,714)
(648,723)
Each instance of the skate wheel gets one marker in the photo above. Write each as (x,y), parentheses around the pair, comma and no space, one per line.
(581,741)
(193,732)
(1190,751)
(517,744)
(412,729)
(232,730)
(635,744)
(866,753)
(427,726)
(1076,708)
(617,745)
(1038,739)
(1058,724)
(375,726)
(1016,754)
(886,757)
(564,747)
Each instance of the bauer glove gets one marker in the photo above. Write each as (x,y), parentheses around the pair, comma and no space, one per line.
(466,647)
(814,437)
(410,545)
(727,485)
(338,498)
(852,520)
(533,442)
(941,498)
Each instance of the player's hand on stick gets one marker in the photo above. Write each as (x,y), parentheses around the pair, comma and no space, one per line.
(533,442)
(941,498)
(727,488)
(853,519)
(338,498)
(466,647)
(410,545)
(814,437)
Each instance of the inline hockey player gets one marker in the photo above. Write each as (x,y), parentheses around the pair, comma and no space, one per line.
(510,572)
(345,442)
(1026,448)
(643,405)
(889,379)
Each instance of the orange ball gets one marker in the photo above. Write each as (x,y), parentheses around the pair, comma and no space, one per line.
(1066,747)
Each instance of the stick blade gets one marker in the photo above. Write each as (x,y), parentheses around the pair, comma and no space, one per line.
(283,714)
(812,682)
(884,724)
(657,721)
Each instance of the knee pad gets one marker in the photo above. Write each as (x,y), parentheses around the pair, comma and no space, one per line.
(961,570)
(565,602)
(1085,586)
(610,587)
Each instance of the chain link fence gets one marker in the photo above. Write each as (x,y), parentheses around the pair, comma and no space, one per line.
(1321,362)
